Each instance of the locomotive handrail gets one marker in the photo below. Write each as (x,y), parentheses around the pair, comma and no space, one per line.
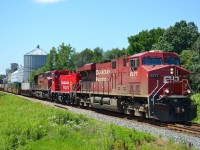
(49,89)
(188,85)
(154,89)
(75,87)
(150,95)
(154,95)
(158,91)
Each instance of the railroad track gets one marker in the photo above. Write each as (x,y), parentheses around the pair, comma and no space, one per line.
(191,128)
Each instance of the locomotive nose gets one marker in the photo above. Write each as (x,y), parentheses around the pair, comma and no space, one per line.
(176,81)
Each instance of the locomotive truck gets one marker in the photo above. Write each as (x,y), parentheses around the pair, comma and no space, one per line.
(149,85)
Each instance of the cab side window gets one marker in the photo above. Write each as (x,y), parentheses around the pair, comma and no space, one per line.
(134,64)
(124,62)
(114,65)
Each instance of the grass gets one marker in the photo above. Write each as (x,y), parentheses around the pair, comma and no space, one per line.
(29,125)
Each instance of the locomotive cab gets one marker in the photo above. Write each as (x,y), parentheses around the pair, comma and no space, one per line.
(65,84)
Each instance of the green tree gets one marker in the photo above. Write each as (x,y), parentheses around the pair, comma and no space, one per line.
(196,47)
(144,41)
(190,61)
(84,57)
(97,55)
(113,53)
(52,59)
(65,57)
(186,60)
(179,37)
(33,73)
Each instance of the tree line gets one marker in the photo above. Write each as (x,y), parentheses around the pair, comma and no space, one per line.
(182,38)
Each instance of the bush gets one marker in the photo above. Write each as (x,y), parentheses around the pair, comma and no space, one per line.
(196,98)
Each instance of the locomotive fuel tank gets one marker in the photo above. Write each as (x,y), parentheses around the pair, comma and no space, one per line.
(111,104)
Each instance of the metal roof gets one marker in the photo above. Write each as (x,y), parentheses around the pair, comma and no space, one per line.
(37,51)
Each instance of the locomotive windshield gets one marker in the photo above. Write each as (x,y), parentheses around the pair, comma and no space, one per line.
(151,61)
(169,61)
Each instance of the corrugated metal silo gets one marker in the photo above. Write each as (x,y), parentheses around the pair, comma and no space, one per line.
(33,60)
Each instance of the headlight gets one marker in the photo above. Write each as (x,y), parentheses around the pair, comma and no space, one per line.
(188,91)
(166,91)
(171,70)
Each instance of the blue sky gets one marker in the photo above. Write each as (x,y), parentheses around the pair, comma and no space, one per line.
(83,23)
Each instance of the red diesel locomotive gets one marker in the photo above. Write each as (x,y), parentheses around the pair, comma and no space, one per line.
(149,84)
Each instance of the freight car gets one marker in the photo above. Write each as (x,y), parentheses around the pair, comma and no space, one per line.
(149,85)
(14,87)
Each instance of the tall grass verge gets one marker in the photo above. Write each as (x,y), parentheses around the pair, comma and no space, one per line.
(29,125)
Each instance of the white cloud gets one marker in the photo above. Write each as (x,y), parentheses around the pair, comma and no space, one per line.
(48,1)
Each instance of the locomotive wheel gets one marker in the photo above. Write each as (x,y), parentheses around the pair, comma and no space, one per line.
(64,100)
(143,115)
(77,102)
(67,100)
(52,97)
(130,112)
(72,101)
(82,104)
(56,98)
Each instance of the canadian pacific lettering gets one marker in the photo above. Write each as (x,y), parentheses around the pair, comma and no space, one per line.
(100,72)
(64,82)
(66,87)
(101,79)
